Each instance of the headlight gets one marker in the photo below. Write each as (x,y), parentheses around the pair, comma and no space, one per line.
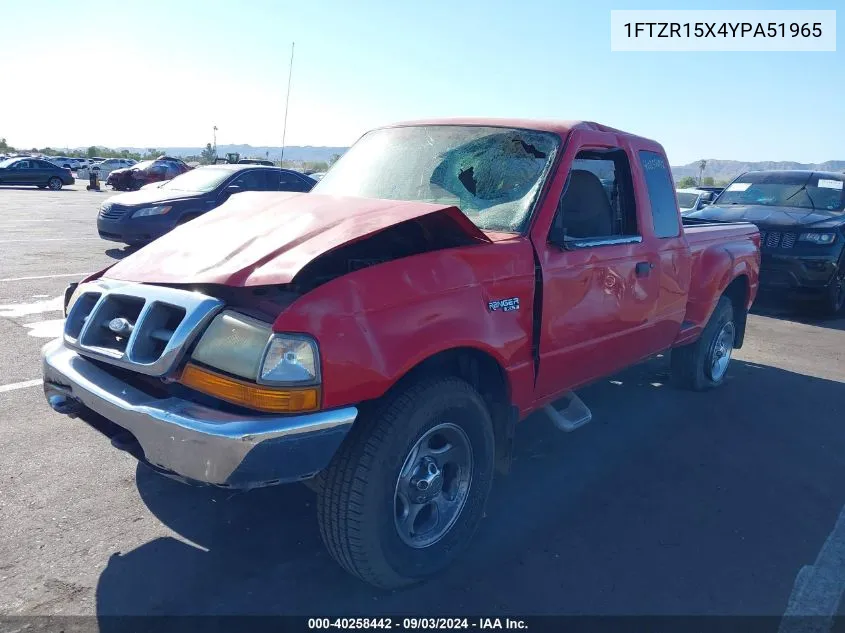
(234,343)
(148,211)
(72,294)
(818,238)
(246,347)
(291,360)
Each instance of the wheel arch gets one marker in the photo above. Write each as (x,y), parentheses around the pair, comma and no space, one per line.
(487,376)
(738,292)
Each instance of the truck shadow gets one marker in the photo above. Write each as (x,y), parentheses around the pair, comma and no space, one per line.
(668,502)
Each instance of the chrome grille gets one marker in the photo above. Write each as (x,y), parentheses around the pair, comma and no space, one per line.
(138,327)
(111,211)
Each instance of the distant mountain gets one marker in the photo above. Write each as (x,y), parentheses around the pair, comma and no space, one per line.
(730,169)
(293,152)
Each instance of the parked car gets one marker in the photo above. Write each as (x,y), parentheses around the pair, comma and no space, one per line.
(255,161)
(382,336)
(141,216)
(105,167)
(63,161)
(134,177)
(693,199)
(801,217)
(34,171)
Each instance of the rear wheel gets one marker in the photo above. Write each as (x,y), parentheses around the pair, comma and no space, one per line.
(703,364)
(54,183)
(406,492)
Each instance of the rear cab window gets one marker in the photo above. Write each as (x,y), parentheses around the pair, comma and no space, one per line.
(661,194)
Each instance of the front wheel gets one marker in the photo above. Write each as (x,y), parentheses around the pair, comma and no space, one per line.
(54,184)
(406,492)
(703,364)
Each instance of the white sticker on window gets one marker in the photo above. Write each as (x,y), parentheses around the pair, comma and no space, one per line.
(739,186)
(830,184)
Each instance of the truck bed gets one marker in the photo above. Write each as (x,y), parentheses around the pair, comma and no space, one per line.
(717,249)
(701,234)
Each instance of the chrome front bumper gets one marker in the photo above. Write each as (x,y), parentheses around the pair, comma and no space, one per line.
(192,441)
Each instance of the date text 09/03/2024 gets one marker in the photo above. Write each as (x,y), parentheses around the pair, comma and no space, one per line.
(416,624)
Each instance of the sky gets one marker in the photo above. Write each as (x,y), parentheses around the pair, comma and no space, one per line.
(163,73)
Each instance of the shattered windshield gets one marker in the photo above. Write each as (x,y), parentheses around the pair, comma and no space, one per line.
(491,174)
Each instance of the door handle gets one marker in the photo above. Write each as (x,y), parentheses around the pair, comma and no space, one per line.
(643,268)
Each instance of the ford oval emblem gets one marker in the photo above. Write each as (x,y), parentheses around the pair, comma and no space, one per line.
(120,326)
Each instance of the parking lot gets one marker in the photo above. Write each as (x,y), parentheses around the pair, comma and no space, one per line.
(669,502)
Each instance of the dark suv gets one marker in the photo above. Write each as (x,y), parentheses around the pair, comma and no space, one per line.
(801,217)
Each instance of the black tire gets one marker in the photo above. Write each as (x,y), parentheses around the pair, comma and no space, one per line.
(356,496)
(834,298)
(54,184)
(691,364)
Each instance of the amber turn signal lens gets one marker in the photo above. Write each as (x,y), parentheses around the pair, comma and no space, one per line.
(258,397)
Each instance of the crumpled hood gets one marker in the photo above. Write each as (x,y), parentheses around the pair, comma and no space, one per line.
(769,216)
(259,238)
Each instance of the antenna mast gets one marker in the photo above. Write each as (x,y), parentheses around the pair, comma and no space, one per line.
(287,99)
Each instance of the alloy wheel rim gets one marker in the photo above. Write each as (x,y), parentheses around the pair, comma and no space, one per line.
(433,485)
(721,350)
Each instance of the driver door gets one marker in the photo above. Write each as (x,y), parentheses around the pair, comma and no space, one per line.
(21,173)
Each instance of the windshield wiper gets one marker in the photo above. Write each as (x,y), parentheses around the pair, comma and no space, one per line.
(804,189)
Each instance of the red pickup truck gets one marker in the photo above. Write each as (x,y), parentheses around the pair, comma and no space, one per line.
(381,336)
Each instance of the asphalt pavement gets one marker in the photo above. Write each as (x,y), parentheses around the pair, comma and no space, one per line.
(668,502)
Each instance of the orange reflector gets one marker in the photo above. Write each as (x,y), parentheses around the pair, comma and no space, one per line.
(248,394)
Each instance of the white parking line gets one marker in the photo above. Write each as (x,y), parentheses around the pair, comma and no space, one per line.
(17,310)
(50,239)
(19,385)
(51,328)
(80,275)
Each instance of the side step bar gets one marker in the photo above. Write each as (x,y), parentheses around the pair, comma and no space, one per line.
(573,416)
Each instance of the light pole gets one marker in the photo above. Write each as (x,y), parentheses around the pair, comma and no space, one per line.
(215,139)
(287,99)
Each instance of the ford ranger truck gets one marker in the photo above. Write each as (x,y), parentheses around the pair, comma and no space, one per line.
(382,336)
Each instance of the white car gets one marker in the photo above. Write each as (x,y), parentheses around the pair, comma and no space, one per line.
(63,161)
(690,200)
(107,166)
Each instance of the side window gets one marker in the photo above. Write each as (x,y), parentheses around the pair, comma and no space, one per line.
(598,200)
(171,170)
(24,164)
(291,182)
(251,181)
(661,194)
